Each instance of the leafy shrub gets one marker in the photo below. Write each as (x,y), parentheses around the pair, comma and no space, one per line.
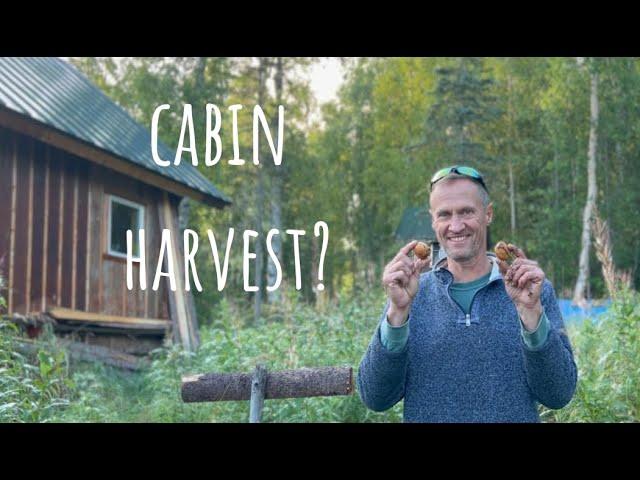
(302,338)
(33,386)
(294,335)
(608,359)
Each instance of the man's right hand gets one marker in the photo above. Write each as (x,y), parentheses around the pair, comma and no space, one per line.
(400,280)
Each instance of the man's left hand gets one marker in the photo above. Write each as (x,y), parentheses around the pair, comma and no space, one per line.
(523,281)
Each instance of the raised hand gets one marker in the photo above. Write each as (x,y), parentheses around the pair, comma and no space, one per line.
(400,280)
(523,281)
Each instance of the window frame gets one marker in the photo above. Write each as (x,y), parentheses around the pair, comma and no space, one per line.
(128,203)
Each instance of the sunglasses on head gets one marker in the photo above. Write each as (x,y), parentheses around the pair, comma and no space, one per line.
(472,173)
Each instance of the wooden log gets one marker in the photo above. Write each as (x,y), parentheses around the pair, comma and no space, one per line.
(258,384)
(37,319)
(81,351)
(92,353)
(97,327)
(303,382)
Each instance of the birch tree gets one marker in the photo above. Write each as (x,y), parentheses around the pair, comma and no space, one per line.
(579,297)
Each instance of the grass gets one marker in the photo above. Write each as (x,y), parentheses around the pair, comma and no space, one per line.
(42,387)
(34,387)
(607,354)
(306,338)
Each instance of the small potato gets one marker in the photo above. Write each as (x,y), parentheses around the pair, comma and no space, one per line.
(421,250)
(502,252)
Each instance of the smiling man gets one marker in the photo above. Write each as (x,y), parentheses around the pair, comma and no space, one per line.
(475,339)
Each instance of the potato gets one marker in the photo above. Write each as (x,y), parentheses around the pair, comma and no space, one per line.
(503,253)
(421,250)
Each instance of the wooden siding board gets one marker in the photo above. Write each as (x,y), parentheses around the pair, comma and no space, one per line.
(96,221)
(111,292)
(82,226)
(53,227)
(19,286)
(5,201)
(38,226)
(67,233)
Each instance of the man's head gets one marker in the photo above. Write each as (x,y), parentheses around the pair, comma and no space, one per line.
(460,211)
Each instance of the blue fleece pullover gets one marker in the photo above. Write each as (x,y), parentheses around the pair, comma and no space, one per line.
(475,367)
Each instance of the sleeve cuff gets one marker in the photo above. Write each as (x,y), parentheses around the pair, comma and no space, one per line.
(393,338)
(536,339)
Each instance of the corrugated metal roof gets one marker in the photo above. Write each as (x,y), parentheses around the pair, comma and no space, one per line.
(54,92)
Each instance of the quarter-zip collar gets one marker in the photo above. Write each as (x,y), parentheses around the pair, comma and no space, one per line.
(445,279)
(445,276)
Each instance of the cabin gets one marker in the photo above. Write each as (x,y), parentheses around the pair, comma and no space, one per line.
(76,172)
(415,224)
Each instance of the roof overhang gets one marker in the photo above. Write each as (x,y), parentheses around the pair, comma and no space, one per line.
(52,136)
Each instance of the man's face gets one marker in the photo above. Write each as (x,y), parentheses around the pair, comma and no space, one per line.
(459,218)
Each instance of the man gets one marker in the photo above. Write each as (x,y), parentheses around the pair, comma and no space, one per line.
(475,339)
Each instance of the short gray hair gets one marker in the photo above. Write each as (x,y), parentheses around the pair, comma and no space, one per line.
(484,195)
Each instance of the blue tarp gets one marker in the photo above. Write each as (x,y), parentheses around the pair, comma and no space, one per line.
(572,313)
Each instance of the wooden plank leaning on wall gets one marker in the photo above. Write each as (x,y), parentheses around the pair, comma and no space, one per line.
(184,322)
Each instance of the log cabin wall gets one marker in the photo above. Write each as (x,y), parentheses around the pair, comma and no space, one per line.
(53,233)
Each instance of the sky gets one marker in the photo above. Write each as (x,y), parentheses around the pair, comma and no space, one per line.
(326,78)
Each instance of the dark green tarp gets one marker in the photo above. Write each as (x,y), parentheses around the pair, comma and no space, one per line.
(415,225)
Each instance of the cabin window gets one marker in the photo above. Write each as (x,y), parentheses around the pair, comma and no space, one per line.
(124,215)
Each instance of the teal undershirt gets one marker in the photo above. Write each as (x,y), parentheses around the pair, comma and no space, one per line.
(395,338)
(463,293)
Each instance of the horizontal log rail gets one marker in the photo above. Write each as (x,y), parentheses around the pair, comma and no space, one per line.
(303,382)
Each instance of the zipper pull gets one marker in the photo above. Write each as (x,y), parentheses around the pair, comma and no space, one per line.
(468,320)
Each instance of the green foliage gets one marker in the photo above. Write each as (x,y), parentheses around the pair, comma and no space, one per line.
(523,121)
(41,388)
(463,102)
(33,386)
(305,338)
(608,354)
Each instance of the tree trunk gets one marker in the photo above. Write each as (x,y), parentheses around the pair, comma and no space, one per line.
(276,173)
(583,268)
(315,260)
(512,187)
(556,178)
(257,299)
(512,199)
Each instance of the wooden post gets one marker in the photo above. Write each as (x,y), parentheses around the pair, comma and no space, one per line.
(258,388)
(182,313)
